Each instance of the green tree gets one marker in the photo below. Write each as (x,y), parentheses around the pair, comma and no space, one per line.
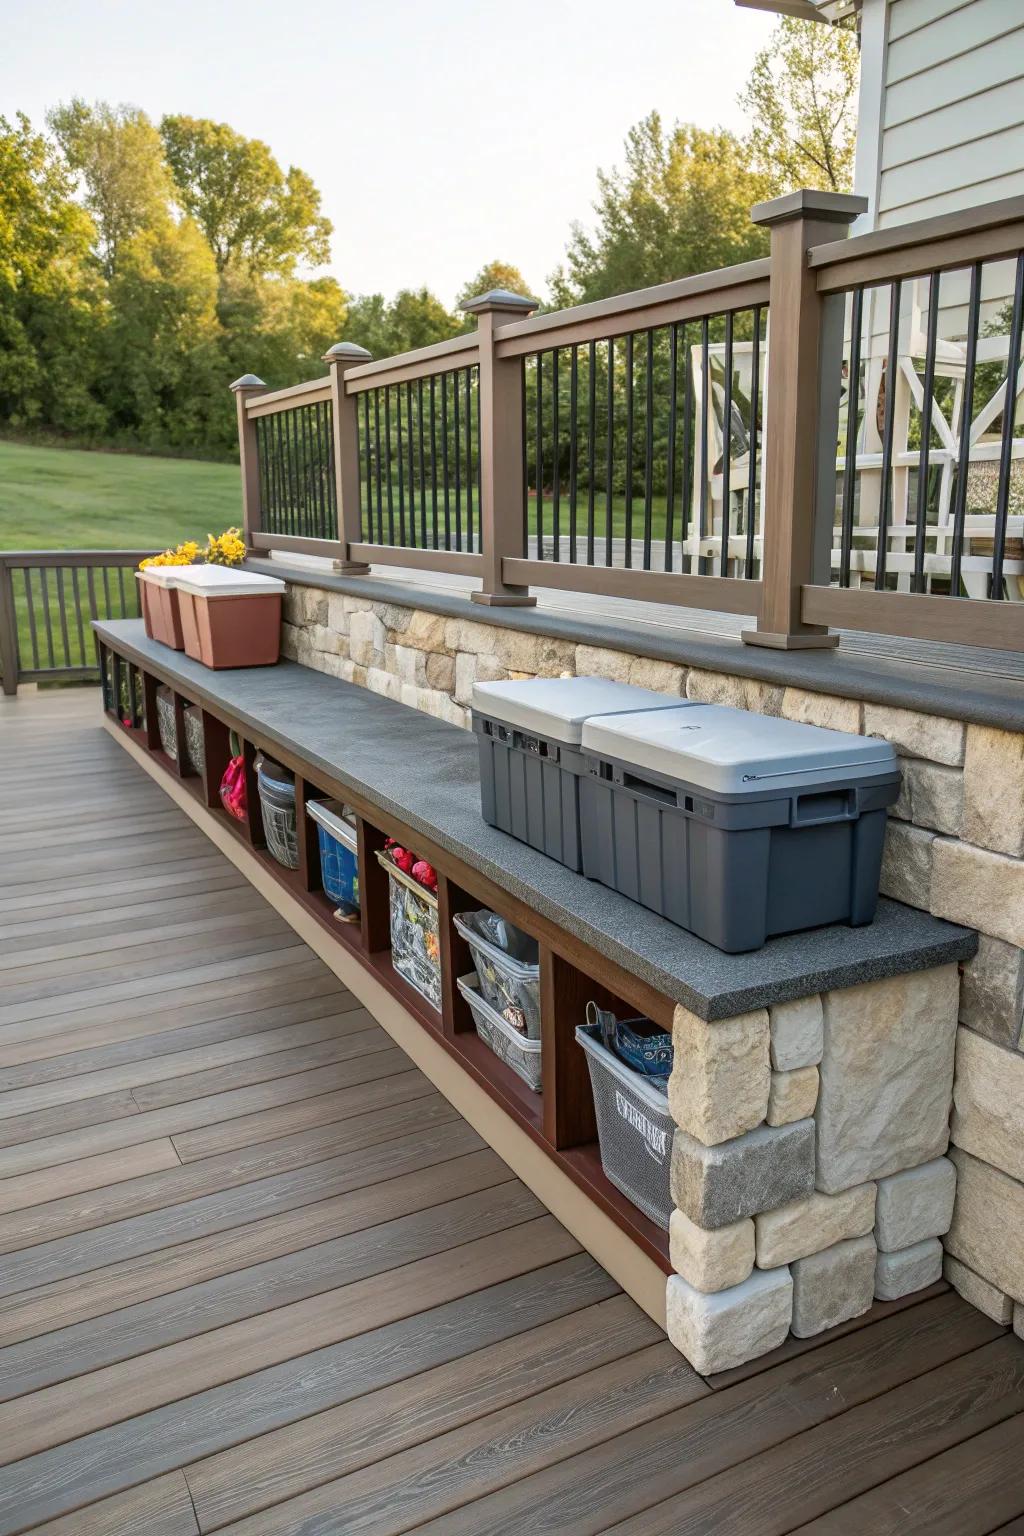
(49,294)
(117,155)
(414,318)
(161,342)
(250,211)
(680,204)
(802,99)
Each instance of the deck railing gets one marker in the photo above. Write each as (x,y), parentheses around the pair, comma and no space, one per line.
(825,437)
(48,599)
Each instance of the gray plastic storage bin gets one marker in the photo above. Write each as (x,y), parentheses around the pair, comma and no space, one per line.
(515,1050)
(734,825)
(530,759)
(634,1127)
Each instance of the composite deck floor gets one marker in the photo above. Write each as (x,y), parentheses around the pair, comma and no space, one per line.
(259,1277)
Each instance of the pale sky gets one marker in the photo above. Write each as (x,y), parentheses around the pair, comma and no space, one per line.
(441,135)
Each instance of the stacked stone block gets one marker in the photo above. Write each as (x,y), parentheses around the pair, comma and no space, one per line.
(955,847)
(798,1226)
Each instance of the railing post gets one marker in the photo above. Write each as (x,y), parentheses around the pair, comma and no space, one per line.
(341,357)
(793,443)
(501,450)
(8,631)
(244,389)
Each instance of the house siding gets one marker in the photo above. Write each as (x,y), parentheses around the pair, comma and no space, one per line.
(952,120)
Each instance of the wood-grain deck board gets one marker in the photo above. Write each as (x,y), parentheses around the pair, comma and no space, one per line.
(260,1277)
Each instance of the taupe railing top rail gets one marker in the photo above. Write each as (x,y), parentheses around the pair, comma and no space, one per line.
(688,298)
(640,446)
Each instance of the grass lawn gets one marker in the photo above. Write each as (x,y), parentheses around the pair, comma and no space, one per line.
(63,498)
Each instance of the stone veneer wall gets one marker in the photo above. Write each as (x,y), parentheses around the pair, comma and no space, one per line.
(808,1167)
(955,847)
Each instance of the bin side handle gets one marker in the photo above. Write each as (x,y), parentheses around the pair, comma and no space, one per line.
(824,806)
(647,790)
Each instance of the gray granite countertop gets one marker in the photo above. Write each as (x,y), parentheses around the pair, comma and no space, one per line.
(425,773)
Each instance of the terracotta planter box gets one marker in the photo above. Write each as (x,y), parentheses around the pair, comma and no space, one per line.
(230,618)
(160,608)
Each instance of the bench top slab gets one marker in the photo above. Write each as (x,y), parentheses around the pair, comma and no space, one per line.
(425,773)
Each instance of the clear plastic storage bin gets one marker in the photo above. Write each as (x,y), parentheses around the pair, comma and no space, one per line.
(634,1127)
(514,1049)
(339,852)
(415,933)
(509,974)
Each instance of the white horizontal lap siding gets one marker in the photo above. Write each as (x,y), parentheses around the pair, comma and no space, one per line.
(953,115)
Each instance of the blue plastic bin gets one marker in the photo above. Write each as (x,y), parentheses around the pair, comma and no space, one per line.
(339,857)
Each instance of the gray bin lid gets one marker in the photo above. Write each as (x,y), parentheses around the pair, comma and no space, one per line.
(732,751)
(556,707)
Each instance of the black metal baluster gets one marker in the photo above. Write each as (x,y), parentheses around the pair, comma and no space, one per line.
(629,451)
(723,559)
(1006,442)
(378,470)
(539,466)
(755,391)
(591,443)
(526,455)
(882,554)
(687,468)
(401,467)
(469,458)
(609,454)
(705,437)
(457,445)
(366,508)
(556,456)
(387,464)
(312,511)
(325,472)
(850,472)
(412,463)
(648,450)
(928,391)
(574,383)
(966,412)
(282,459)
(261,474)
(479,455)
(433,457)
(422,460)
(670,469)
(444,462)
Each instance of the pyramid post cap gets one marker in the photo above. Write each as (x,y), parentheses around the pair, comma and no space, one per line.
(347,352)
(499,299)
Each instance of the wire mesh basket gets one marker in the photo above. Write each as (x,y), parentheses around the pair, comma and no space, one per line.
(165,722)
(514,1049)
(277,802)
(195,750)
(415,933)
(634,1127)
